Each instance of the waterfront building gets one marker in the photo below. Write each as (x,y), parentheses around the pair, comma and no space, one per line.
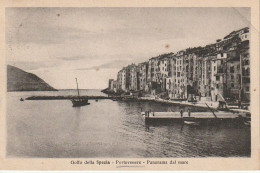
(143,72)
(172,81)
(180,88)
(205,77)
(178,70)
(121,80)
(219,76)
(215,71)
(244,34)
(153,85)
(233,75)
(163,70)
(245,70)
(110,84)
(213,86)
(137,78)
(115,86)
(133,77)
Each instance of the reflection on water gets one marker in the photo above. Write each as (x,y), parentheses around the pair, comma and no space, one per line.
(111,129)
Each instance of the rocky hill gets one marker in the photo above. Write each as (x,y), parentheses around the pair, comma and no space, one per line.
(19,80)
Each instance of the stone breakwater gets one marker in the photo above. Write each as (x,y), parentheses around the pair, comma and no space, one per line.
(67,97)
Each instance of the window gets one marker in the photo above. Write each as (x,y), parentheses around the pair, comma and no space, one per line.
(238,67)
(214,68)
(217,78)
(232,69)
(247,88)
(246,62)
(221,54)
(238,78)
(245,36)
(232,77)
(232,85)
(217,86)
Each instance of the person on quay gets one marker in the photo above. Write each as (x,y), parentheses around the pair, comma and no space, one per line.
(189,112)
(181,113)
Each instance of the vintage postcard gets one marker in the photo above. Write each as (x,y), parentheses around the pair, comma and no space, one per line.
(130,85)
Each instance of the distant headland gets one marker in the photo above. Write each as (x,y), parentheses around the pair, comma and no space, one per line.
(19,80)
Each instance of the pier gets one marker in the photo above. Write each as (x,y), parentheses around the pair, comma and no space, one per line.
(221,116)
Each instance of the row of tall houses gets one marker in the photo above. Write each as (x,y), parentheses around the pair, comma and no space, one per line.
(217,70)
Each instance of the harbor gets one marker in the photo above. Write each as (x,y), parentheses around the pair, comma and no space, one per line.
(148,83)
(117,127)
(205,113)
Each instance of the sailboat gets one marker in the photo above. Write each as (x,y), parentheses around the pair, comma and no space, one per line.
(79,101)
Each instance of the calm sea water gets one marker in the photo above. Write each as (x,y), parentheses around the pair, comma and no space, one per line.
(53,128)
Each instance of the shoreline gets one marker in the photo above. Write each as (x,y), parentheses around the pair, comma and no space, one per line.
(200,105)
(212,105)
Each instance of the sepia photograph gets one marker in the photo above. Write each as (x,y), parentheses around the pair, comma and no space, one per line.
(128,82)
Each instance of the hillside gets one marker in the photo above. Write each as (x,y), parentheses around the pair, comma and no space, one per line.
(19,80)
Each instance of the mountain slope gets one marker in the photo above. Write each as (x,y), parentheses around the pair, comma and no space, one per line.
(19,80)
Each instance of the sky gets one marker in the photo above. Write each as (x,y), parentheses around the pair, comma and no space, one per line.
(93,44)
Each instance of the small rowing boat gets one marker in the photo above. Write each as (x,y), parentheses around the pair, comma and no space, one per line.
(193,123)
(247,123)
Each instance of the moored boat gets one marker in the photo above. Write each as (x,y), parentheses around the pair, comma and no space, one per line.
(191,121)
(247,123)
(130,98)
(79,102)
(76,102)
(194,123)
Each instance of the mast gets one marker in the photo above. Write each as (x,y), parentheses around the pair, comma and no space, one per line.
(77,86)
